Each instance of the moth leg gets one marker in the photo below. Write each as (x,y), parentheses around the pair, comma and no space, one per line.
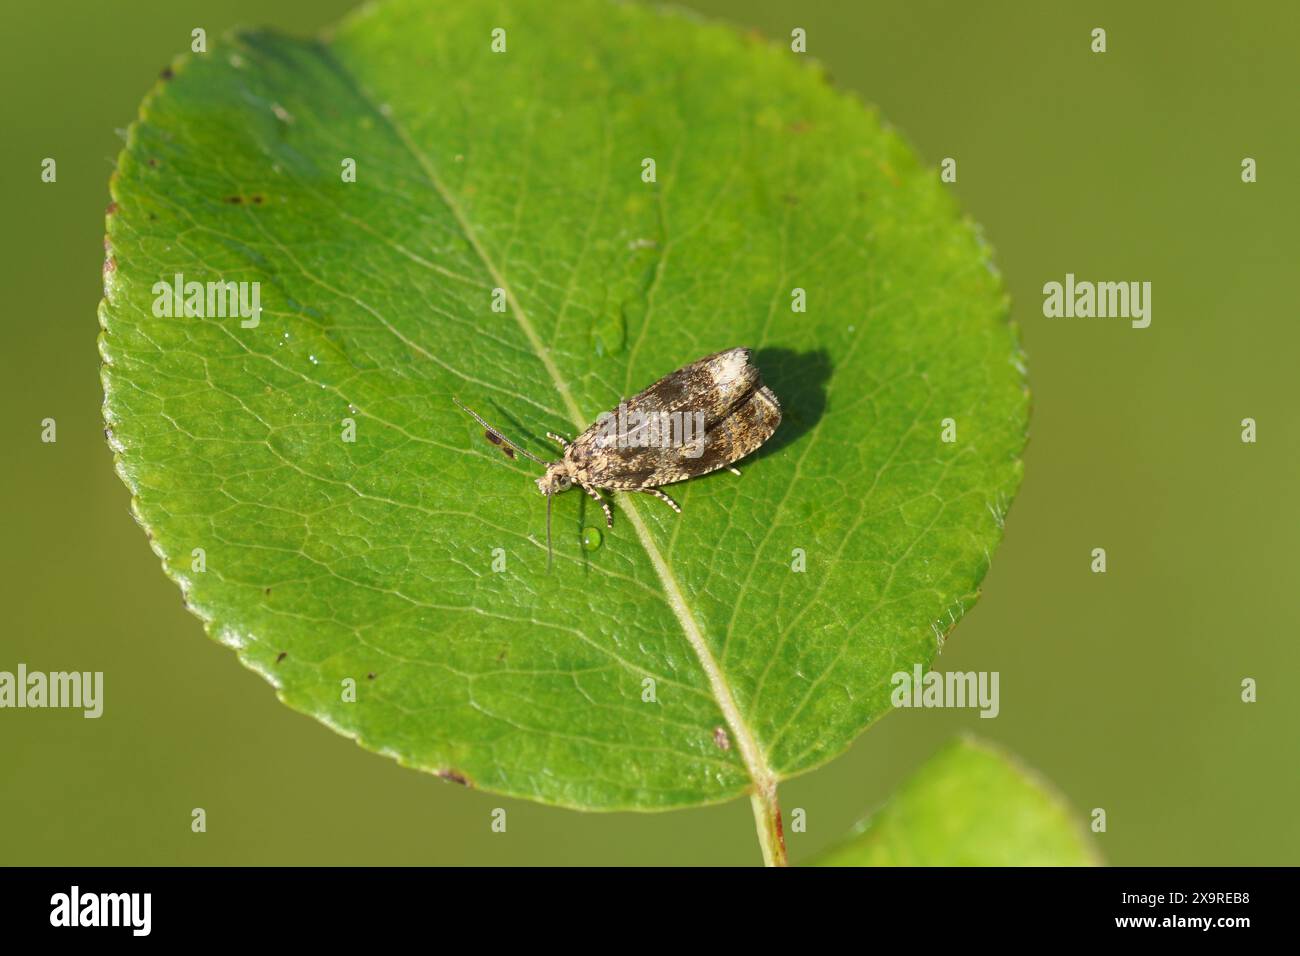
(734,470)
(595,496)
(558,439)
(662,497)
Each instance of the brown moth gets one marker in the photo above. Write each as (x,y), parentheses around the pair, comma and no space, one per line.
(702,417)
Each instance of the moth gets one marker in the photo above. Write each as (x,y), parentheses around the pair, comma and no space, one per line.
(702,417)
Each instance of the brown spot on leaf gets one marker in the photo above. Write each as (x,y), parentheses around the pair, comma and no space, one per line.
(233,200)
(371,676)
(281,656)
(493,437)
(110,209)
(455,776)
(166,73)
(721,739)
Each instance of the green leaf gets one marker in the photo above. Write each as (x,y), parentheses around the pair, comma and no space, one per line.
(970,805)
(371,561)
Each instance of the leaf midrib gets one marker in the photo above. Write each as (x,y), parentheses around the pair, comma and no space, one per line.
(755,761)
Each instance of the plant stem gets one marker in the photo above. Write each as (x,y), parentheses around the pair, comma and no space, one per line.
(767,817)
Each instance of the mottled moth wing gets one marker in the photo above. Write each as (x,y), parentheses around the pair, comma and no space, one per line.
(739,434)
(729,440)
(740,413)
(712,385)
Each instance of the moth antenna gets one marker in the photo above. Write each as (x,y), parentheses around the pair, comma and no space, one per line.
(548,533)
(496,431)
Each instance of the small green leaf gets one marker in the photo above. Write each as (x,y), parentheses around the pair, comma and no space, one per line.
(969,805)
(394,586)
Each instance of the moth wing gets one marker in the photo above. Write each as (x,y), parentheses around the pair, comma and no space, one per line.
(712,385)
(740,433)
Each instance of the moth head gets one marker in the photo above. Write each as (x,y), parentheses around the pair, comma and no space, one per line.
(556,479)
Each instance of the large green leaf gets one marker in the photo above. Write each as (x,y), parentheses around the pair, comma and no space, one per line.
(969,805)
(372,560)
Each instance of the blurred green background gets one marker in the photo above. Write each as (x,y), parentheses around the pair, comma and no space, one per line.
(1121,688)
